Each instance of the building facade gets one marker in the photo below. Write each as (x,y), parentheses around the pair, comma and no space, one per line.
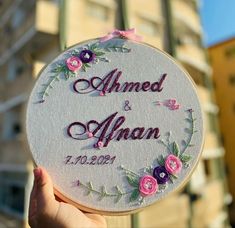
(222,57)
(31,35)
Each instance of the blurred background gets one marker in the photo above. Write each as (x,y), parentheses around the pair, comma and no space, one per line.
(33,32)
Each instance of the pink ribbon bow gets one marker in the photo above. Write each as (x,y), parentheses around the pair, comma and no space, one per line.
(127,34)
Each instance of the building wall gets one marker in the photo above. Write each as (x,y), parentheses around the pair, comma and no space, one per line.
(222,57)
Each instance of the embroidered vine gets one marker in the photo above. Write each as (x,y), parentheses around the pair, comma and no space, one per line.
(80,59)
(153,179)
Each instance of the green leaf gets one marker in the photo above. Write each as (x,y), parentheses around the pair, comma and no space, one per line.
(172,178)
(176,150)
(86,65)
(103,192)
(148,169)
(72,74)
(89,188)
(189,120)
(56,70)
(189,131)
(93,46)
(132,180)
(99,53)
(184,142)
(161,160)
(118,189)
(119,196)
(185,158)
(134,195)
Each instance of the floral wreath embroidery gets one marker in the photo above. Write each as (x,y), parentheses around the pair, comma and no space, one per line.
(80,59)
(152,180)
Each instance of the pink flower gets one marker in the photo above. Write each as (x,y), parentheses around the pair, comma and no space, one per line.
(173,164)
(74,63)
(147,185)
(172,104)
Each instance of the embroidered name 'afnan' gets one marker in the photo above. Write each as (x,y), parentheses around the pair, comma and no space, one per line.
(110,129)
(110,83)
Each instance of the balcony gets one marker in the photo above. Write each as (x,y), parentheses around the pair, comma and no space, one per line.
(185,14)
(13,151)
(34,32)
(204,94)
(194,56)
(148,20)
(95,18)
(211,141)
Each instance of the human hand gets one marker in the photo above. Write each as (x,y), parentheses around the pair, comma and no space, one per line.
(45,211)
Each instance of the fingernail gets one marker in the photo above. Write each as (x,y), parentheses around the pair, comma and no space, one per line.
(37,173)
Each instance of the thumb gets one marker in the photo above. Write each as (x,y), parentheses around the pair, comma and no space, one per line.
(43,205)
(45,193)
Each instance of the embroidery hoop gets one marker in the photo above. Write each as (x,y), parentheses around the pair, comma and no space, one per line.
(82,207)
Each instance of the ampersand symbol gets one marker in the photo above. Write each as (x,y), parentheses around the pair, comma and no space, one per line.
(127,107)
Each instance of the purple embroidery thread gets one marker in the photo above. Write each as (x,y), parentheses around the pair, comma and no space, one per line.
(109,129)
(110,83)
(127,107)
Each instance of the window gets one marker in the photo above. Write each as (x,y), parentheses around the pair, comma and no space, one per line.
(12,192)
(189,39)
(16,67)
(148,27)
(232,79)
(97,11)
(230,52)
(12,126)
(18,18)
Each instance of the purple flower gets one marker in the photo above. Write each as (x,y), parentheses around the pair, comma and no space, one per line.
(160,174)
(86,56)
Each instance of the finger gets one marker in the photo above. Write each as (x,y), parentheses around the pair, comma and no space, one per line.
(45,193)
(97,220)
(33,202)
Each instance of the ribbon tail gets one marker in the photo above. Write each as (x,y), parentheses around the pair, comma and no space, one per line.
(106,38)
(134,37)
(131,35)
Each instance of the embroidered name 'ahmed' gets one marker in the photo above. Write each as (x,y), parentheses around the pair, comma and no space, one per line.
(110,83)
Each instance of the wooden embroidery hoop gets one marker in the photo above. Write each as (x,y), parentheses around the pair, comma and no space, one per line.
(177,189)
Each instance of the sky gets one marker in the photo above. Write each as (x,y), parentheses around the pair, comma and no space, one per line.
(218,20)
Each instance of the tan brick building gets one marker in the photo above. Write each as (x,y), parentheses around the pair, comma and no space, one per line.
(30,34)
(222,56)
